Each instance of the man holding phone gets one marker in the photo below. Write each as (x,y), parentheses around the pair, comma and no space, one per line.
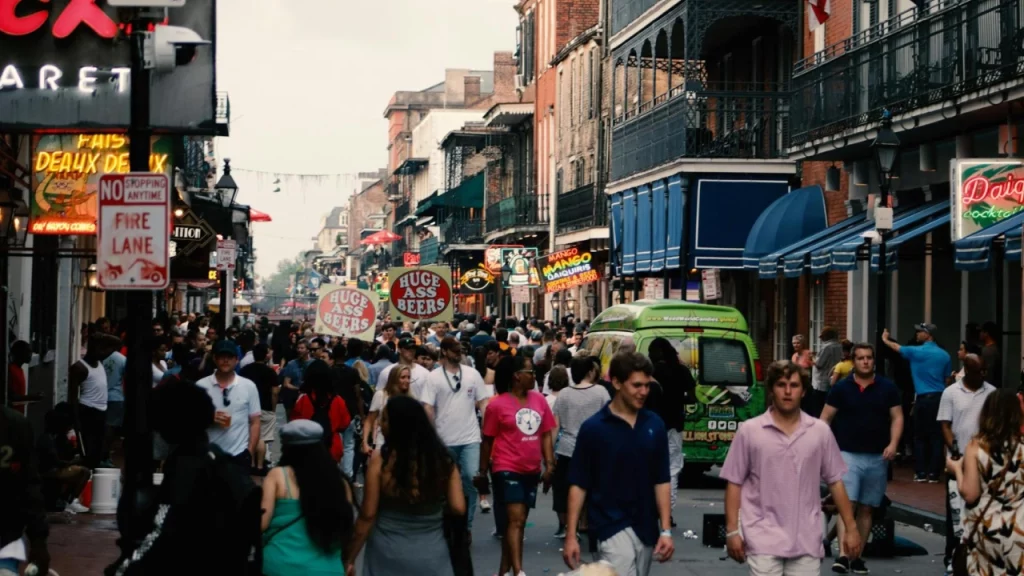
(236,400)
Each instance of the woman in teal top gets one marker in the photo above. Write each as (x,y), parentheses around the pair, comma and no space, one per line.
(307,510)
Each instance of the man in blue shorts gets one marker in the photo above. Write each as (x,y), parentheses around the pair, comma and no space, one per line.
(867,418)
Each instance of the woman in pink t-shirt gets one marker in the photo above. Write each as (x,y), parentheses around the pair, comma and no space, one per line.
(517,433)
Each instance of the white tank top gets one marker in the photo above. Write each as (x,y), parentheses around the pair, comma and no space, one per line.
(93,392)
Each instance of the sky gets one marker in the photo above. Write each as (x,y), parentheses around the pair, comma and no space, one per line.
(308,82)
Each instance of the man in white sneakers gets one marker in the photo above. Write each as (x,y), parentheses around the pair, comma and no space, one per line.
(452,394)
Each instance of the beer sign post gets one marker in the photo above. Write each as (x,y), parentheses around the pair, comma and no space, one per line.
(132,250)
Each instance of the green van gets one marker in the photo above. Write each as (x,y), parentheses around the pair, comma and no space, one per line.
(713,342)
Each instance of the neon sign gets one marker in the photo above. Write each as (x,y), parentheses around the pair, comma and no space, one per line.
(987,192)
(11,78)
(567,269)
(77,13)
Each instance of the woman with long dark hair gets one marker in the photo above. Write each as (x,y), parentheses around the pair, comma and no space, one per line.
(517,432)
(307,510)
(322,404)
(676,388)
(410,481)
(991,480)
(282,345)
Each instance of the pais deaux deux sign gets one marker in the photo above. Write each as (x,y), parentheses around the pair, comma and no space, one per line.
(344,311)
(423,293)
(567,269)
(66,64)
(66,171)
(986,192)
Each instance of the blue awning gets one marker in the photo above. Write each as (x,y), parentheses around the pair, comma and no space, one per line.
(841,256)
(791,218)
(722,214)
(674,240)
(616,201)
(771,265)
(629,232)
(974,251)
(658,237)
(796,262)
(893,245)
(643,229)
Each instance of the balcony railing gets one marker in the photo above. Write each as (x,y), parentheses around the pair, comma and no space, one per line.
(724,122)
(582,208)
(222,111)
(428,251)
(525,210)
(459,231)
(914,60)
(401,211)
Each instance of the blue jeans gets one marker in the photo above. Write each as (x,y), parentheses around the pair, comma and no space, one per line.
(348,455)
(467,458)
(928,458)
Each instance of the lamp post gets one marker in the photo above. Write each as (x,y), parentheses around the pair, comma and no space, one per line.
(591,299)
(555,305)
(570,304)
(506,275)
(886,147)
(227,189)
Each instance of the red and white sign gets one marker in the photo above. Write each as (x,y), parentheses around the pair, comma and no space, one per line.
(132,251)
(344,311)
(227,252)
(423,293)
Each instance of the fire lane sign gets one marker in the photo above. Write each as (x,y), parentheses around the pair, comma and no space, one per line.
(132,250)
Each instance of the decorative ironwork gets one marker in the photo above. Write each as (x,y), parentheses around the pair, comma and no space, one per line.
(429,251)
(582,208)
(525,210)
(401,211)
(914,60)
(457,230)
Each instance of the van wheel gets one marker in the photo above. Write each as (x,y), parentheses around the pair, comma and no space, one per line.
(692,475)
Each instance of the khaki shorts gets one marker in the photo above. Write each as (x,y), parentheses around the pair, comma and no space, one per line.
(268,426)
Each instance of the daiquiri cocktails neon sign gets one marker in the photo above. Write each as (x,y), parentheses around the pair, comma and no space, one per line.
(987,192)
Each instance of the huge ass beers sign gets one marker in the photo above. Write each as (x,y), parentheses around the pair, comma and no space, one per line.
(345,311)
(419,294)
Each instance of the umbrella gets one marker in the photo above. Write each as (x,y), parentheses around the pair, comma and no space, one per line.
(257,216)
(381,237)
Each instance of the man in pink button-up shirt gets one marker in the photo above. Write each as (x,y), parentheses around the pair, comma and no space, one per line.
(774,468)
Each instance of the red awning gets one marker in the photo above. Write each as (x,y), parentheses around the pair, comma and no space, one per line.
(257,216)
(381,237)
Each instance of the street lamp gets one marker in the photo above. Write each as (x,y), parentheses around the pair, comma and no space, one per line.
(556,303)
(591,300)
(570,303)
(92,281)
(226,186)
(887,148)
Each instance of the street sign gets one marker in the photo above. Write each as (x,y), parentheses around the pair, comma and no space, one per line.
(132,251)
(146,3)
(226,251)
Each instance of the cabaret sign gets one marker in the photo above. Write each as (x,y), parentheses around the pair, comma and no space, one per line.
(344,311)
(423,293)
(52,78)
(986,192)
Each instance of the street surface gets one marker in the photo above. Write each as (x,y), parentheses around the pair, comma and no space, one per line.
(542,553)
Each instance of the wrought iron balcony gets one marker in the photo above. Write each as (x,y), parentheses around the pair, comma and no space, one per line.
(222,113)
(515,211)
(721,120)
(917,59)
(582,208)
(428,251)
(401,211)
(459,231)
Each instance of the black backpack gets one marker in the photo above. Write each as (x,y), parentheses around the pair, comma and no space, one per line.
(240,513)
(322,416)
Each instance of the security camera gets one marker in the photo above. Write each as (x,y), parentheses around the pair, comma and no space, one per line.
(175,46)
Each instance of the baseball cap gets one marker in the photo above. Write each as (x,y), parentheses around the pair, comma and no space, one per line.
(407,342)
(224,347)
(926,327)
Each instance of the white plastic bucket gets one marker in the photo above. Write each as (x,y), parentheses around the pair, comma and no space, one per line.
(106,490)
(158,478)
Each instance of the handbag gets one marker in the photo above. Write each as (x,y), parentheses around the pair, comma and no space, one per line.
(960,551)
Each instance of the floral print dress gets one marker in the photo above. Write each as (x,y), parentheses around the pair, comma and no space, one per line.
(996,547)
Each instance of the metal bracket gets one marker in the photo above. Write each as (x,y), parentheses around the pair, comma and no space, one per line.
(148,51)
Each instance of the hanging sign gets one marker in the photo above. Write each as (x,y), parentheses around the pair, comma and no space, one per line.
(519,268)
(475,280)
(985,192)
(712,284)
(132,245)
(567,269)
(344,311)
(410,259)
(423,293)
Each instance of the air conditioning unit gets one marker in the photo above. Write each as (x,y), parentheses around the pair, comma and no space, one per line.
(520,82)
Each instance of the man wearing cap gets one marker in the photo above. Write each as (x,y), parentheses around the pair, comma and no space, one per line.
(236,423)
(406,357)
(930,367)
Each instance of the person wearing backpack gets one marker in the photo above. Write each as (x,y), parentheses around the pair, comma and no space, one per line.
(323,406)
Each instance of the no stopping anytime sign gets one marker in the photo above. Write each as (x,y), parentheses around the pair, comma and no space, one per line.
(421,294)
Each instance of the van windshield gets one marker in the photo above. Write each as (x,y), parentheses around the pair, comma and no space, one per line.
(724,363)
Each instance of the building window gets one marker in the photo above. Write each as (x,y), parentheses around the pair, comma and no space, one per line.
(579,78)
(592,89)
(580,172)
(817,315)
(572,88)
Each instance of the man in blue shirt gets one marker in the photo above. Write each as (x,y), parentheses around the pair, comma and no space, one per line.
(930,367)
(621,468)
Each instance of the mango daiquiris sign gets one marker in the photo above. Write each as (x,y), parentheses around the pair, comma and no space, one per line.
(567,269)
(985,192)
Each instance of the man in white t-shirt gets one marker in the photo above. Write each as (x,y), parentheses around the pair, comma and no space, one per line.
(451,396)
(406,357)
(236,423)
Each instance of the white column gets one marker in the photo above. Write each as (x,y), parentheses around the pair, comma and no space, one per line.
(928,265)
(62,356)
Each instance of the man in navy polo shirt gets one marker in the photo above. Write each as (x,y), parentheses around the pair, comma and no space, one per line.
(930,367)
(868,422)
(621,468)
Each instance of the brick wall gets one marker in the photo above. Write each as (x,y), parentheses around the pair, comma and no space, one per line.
(835,205)
(838,27)
(369,201)
(574,18)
